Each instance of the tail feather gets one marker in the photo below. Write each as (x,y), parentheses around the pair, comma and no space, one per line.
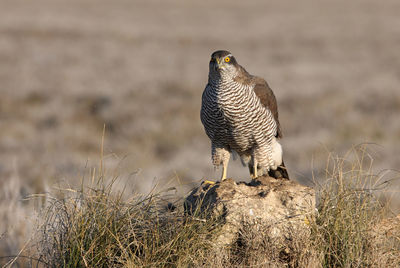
(280,172)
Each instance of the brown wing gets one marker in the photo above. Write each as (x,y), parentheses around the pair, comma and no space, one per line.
(267,98)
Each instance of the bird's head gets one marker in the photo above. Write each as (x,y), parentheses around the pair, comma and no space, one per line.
(223,65)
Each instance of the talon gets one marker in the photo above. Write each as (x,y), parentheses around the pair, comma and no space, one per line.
(208,182)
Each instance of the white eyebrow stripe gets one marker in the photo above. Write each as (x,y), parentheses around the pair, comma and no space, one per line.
(229,55)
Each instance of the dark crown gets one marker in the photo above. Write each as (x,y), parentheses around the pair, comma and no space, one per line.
(220,54)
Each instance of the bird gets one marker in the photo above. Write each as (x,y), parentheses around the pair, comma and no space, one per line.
(240,115)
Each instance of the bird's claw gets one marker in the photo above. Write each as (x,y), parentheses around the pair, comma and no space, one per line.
(208,182)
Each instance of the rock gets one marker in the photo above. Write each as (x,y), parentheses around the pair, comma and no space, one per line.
(272,211)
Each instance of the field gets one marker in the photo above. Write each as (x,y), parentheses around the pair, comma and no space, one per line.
(69,68)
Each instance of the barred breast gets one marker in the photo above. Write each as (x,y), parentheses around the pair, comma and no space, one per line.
(234,118)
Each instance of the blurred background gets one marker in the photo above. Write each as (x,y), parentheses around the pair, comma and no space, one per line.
(67,68)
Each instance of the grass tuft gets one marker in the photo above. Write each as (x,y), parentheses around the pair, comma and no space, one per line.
(95,227)
(349,207)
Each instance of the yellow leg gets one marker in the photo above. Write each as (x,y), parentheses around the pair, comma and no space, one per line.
(254,175)
(208,182)
(223,176)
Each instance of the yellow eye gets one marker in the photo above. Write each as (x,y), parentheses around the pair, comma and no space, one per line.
(227,59)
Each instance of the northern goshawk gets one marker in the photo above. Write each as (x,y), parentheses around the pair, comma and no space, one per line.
(239,113)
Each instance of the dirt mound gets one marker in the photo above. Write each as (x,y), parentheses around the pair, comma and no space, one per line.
(265,214)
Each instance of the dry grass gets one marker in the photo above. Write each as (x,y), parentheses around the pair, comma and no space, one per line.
(349,207)
(92,227)
(95,226)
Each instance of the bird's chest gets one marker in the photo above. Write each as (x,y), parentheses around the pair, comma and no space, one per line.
(235,107)
(237,116)
(231,114)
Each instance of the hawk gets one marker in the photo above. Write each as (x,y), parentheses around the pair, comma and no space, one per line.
(239,114)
